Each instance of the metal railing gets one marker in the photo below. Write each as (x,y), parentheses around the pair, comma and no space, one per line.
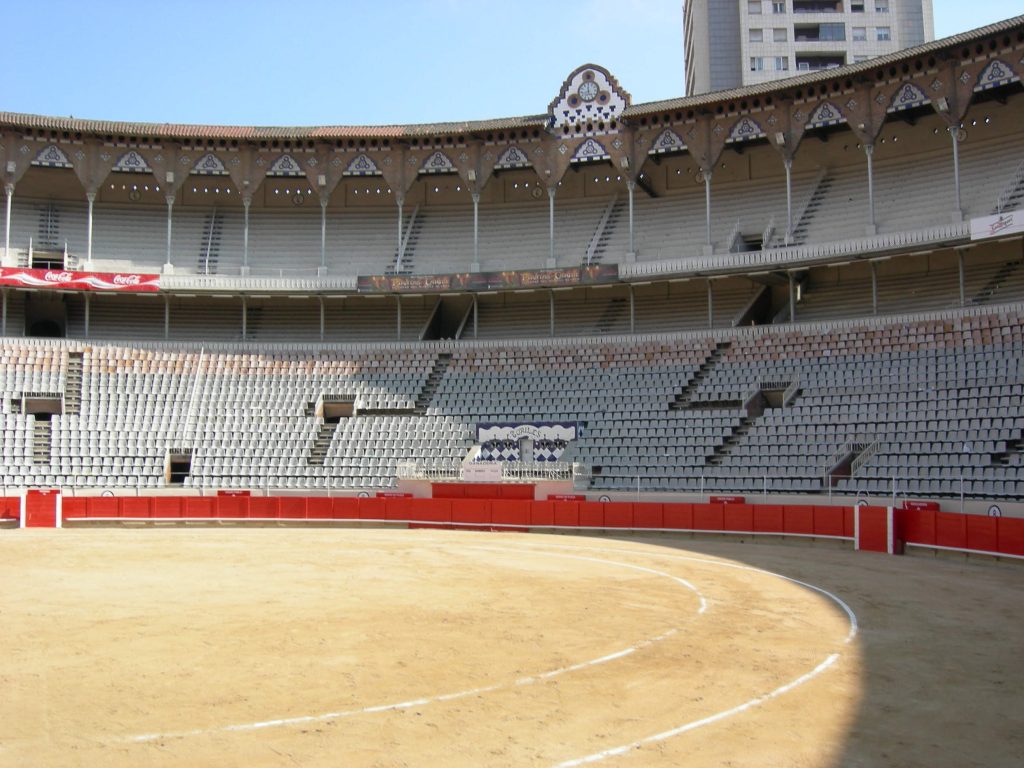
(1011,188)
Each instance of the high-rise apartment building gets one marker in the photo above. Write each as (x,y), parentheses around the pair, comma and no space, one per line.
(730,43)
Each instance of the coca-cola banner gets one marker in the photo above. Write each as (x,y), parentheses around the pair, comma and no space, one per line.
(65,280)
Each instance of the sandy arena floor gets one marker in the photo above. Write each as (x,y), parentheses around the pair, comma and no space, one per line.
(287,647)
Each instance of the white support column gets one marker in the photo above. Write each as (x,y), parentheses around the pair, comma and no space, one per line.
(707,210)
(631,188)
(9,189)
(91,197)
(246,202)
(869,151)
(170,209)
(551,233)
(954,132)
(323,235)
(476,231)
(789,200)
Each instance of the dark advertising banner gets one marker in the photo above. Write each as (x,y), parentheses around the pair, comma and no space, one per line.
(490,281)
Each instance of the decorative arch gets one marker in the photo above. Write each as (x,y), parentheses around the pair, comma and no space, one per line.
(589,94)
(285,165)
(438,162)
(362,165)
(52,157)
(589,151)
(131,162)
(667,141)
(209,165)
(824,114)
(907,97)
(513,157)
(995,74)
(745,129)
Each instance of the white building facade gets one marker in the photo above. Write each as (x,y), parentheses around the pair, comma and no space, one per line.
(732,43)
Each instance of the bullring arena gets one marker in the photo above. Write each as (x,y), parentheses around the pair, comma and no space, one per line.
(679,433)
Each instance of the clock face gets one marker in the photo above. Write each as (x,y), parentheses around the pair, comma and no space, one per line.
(588,91)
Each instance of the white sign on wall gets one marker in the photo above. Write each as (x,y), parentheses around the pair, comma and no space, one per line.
(998,225)
(482,472)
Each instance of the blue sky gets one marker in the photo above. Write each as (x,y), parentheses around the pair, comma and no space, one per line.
(318,62)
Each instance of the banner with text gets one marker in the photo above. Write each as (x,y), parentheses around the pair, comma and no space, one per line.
(489,281)
(64,280)
(999,225)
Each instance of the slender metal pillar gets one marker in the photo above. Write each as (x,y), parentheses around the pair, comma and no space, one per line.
(551,309)
(711,305)
(170,208)
(874,288)
(551,232)
(245,318)
(476,228)
(88,306)
(789,200)
(91,197)
(3,322)
(321,318)
(398,317)
(707,205)
(869,150)
(631,188)
(167,316)
(476,314)
(245,233)
(953,132)
(792,298)
(9,189)
(323,234)
(960,275)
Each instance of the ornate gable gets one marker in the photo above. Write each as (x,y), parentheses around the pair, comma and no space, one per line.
(907,97)
(824,114)
(131,162)
(362,165)
(667,141)
(589,150)
(285,165)
(52,157)
(995,74)
(513,157)
(589,96)
(745,129)
(438,162)
(209,165)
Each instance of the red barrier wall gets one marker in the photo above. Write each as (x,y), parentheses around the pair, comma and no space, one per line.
(916,526)
(874,529)
(41,509)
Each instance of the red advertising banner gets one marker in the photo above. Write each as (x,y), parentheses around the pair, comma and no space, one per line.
(65,280)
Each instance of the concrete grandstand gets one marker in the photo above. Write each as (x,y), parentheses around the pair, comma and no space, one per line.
(812,287)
